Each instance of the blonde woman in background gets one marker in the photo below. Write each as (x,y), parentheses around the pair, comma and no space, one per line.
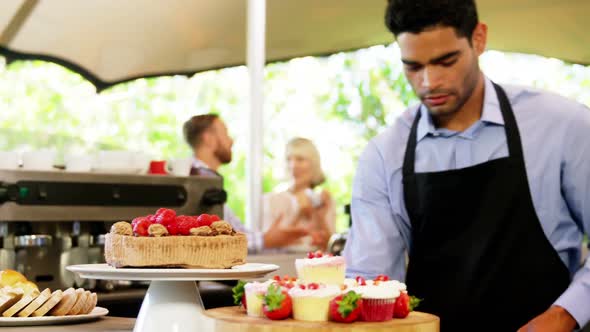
(302,203)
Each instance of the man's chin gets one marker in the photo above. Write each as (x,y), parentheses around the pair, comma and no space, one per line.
(441,110)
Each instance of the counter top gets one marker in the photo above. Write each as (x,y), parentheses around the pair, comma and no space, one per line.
(105,324)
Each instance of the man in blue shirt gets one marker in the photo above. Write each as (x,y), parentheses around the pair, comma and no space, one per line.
(485,187)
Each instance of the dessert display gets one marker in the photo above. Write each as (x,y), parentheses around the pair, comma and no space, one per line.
(166,240)
(338,300)
(22,298)
(320,268)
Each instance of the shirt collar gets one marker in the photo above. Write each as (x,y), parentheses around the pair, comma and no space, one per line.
(491,113)
(198,163)
(204,169)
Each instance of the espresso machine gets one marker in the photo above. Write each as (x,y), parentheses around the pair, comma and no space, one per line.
(52,219)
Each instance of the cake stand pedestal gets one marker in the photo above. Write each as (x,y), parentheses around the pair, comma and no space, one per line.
(173,301)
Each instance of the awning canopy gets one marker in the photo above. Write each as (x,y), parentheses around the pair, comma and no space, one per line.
(111,41)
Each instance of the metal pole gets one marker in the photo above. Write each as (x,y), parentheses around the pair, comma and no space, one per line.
(255,61)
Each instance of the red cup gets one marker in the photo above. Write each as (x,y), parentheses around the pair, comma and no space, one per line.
(158,167)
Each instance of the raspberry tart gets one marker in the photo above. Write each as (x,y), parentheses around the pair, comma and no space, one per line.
(167,240)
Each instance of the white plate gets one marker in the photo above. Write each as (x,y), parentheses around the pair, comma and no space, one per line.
(53,320)
(104,271)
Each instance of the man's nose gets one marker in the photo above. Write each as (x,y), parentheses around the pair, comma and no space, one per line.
(431,78)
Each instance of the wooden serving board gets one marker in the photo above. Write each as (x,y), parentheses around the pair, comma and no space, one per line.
(234,319)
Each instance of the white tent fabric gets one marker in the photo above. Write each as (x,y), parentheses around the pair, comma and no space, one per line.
(110,41)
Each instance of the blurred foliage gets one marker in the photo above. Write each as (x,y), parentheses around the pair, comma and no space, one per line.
(340,102)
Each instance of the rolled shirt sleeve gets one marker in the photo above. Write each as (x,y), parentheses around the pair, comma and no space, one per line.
(576,189)
(375,243)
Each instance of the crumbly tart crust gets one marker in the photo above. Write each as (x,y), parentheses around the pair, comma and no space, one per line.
(192,251)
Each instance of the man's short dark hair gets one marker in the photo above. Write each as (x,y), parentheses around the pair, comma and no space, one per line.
(194,128)
(415,16)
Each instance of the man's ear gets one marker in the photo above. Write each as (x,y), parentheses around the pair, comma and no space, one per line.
(208,139)
(479,38)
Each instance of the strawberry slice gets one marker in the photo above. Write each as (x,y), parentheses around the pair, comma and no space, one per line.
(239,294)
(404,304)
(313,285)
(382,277)
(346,308)
(361,281)
(277,303)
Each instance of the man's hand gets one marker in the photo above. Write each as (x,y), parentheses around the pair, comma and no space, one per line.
(555,319)
(279,236)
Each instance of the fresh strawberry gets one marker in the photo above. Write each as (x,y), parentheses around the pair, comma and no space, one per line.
(310,255)
(204,220)
(361,281)
(319,254)
(141,227)
(165,216)
(277,303)
(151,217)
(346,308)
(214,218)
(137,220)
(172,228)
(382,277)
(302,286)
(404,304)
(185,223)
(240,294)
(160,210)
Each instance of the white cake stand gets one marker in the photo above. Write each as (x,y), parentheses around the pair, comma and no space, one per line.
(172,302)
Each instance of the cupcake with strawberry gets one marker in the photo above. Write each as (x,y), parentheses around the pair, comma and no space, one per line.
(379,299)
(277,303)
(346,308)
(311,302)
(254,295)
(321,268)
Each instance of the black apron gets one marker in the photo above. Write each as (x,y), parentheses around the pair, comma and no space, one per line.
(479,257)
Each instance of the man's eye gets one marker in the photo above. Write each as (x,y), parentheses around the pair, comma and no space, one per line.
(413,67)
(449,63)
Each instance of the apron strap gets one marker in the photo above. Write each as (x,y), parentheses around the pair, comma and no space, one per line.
(410,156)
(510,127)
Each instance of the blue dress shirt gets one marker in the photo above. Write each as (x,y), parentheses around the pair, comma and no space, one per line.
(555,137)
